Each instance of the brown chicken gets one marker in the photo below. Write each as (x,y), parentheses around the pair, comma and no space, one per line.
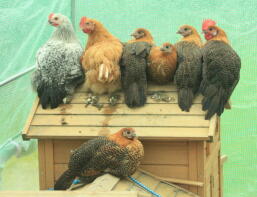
(188,75)
(141,35)
(162,63)
(118,154)
(101,58)
(221,70)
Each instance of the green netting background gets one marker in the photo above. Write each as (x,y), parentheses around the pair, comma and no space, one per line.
(24,28)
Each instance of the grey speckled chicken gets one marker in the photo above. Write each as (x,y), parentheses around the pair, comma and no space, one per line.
(188,74)
(118,154)
(133,72)
(221,71)
(58,69)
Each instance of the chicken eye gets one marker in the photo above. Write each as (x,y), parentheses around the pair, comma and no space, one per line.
(128,132)
(87,23)
(211,29)
(167,47)
(185,29)
(56,18)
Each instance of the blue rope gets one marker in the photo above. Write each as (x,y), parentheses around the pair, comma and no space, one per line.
(76,181)
(143,186)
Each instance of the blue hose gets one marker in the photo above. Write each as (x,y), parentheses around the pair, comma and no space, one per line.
(143,186)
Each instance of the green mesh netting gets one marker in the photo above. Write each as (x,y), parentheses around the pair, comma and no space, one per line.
(24,29)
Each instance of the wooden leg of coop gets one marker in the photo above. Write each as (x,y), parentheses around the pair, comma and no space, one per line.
(223,159)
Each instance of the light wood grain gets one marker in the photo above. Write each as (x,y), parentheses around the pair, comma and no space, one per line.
(80,98)
(68,194)
(49,165)
(192,162)
(42,165)
(29,119)
(121,109)
(144,133)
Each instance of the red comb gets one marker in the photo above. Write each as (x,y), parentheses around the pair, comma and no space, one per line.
(207,23)
(82,21)
(50,15)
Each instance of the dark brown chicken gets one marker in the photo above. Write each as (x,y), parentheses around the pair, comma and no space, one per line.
(188,75)
(133,66)
(118,154)
(221,71)
(162,63)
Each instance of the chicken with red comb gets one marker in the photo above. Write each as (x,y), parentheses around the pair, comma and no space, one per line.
(101,58)
(118,154)
(205,25)
(221,71)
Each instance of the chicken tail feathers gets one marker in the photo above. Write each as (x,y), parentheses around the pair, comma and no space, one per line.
(185,98)
(65,180)
(214,101)
(51,95)
(135,95)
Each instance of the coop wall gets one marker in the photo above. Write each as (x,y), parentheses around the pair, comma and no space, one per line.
(195,161)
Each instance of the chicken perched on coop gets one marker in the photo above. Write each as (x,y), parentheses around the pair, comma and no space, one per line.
(142,35)
(101,58)
(133,69)
(221,70)
(162,63)
(58,69)
(118,154)
(188,75)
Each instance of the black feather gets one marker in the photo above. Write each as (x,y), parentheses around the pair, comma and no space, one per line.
(133,72)
(221,72)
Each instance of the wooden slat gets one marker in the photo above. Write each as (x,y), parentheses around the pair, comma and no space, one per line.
(192,161)
(173,171)
(162,109)
(144,133)
(173,180)
(80,97)
(212,127)
(119,120)
(201,159)
(148,181)
(151,87)
(67,194)
(30,117)
(41,163)
(49,165)
(155,152)
(124,184)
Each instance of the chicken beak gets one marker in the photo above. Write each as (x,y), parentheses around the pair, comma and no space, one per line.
(179,32)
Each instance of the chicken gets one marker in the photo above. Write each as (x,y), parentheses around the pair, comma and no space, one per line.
(118,154)
(101,58)
(141,35)
(221,71)
(162,63)
(188,74)
(133,69)
(58,70)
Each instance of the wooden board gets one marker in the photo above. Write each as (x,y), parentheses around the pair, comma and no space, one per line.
(156,120)
(68,194)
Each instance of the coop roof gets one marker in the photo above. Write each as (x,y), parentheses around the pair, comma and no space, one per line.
(156,120)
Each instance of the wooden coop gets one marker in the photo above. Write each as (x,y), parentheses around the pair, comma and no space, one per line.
(180,147)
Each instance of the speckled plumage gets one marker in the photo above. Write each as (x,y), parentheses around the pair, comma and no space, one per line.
(58,69)
(133,72)
(221,72)
(102,155)
(188,74)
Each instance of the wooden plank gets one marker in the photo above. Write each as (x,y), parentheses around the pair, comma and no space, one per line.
(49,159)
(192,162)
(80,97)
(41,163)
(170,171)
(124,184)
(201,159)
(29,119)
(155,152)
(212,127)
(151,87)
(103,183)
(67,194)
(148,181)
(213,156)
(119,120)
(144,133)
(121,109)
(173,180)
